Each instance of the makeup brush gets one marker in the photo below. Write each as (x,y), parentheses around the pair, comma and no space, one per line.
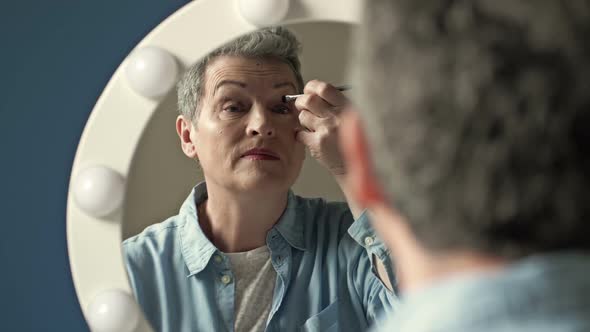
(288,98)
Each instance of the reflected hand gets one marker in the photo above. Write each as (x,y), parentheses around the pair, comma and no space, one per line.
(319,113)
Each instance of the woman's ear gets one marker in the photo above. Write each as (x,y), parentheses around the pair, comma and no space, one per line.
(185,129)
(365,187)
(361,177)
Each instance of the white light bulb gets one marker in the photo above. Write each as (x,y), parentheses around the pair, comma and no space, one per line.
(263,12)
(113,311)
(99,190)
(151,71)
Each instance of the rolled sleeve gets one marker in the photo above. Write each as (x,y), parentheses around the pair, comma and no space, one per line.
(364,234)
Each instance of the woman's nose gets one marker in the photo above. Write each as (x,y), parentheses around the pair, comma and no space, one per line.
(260,123)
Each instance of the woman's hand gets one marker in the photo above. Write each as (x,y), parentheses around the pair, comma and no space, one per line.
(319,114)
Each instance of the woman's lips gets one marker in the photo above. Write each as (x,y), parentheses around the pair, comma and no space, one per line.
(260,154)
(260,157)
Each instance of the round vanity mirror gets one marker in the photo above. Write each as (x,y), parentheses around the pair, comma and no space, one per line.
(129,171)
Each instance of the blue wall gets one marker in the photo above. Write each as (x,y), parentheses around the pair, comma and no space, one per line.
(55,59)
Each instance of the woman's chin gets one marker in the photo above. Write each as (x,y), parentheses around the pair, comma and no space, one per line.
(262,169)
(265,182)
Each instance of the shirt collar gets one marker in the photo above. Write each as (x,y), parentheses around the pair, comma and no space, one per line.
(195,246)
(197,249)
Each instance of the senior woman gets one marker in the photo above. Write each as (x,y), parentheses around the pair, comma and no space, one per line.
(245,253)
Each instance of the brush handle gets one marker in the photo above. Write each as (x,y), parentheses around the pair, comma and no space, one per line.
(288,98)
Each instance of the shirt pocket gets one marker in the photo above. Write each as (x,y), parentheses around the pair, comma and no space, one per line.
(325,321)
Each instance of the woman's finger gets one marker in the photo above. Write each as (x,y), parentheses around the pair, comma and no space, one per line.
(309,120)
(327,92)
(305,137)
(314,104)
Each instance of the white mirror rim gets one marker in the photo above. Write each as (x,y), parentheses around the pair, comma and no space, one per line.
(120,115)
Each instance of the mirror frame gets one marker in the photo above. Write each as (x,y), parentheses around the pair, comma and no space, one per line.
(120,116)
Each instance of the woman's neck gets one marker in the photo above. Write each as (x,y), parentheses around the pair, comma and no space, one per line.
(237,222)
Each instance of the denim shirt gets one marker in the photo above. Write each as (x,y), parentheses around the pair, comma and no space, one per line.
(326,279)
(544,293)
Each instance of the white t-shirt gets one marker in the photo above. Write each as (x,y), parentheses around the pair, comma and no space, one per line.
(255,280)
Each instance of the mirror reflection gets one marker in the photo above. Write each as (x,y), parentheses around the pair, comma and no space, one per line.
(161,176)
(228,226)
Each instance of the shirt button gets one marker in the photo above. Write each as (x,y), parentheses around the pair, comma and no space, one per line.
(369,241)
(218,259)
(225,279)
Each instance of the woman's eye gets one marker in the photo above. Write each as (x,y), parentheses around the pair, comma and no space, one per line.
(282,109)
(232,109)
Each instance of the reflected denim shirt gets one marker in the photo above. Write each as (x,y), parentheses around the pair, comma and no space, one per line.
(326,280)
(544,293)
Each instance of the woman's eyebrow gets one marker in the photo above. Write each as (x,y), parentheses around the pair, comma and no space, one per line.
(282,84)
(232,82)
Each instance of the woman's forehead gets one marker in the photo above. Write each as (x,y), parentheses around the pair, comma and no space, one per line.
(244,70)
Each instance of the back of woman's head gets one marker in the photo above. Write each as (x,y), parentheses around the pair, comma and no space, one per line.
(478,115)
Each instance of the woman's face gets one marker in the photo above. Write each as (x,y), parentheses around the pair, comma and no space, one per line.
(245,135)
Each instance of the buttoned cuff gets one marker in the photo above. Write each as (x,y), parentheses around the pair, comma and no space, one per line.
(364,234)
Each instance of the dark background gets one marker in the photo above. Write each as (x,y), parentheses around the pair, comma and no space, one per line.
(55,59)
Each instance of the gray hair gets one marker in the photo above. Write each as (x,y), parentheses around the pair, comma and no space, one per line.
(274,42)
(478,117)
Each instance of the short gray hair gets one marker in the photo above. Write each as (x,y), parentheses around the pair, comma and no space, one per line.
(273,42)
(478,117)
